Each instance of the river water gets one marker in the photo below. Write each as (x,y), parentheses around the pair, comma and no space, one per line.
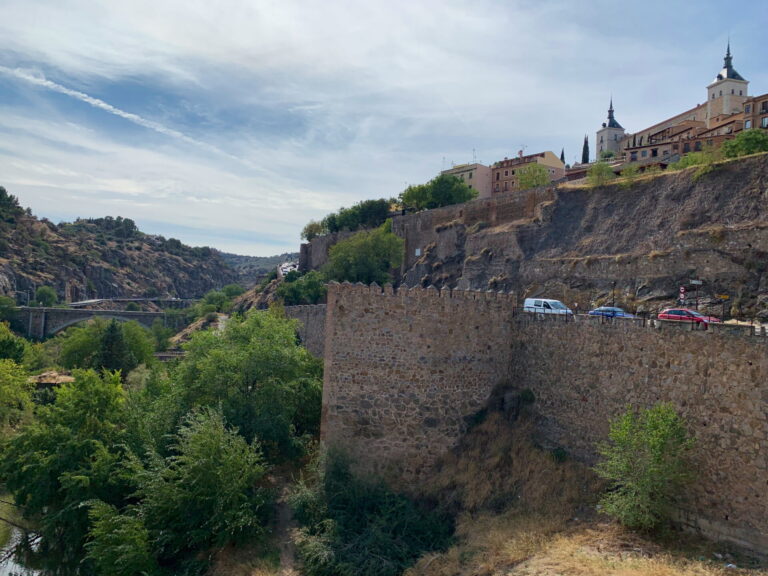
(11,568)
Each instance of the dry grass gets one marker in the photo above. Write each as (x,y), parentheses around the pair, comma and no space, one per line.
(522,513)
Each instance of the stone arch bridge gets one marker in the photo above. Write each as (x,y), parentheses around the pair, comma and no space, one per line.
(42,322)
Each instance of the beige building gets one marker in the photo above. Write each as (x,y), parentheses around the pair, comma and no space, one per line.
(609,137)
(505,173)
(756,112)
(708,124)
(477,177)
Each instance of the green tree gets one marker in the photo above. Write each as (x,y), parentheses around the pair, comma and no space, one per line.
(585,151)
(629,174)
(232,291)
(210,491)
(599,174)
(7,309)
(647,462)
(746,142)
(307,289)
(261,377)
(113,353)
(72,453)
(15,395)
(12,347)
(366,257)
(441,191)
(607,155)
(46,296)
(312,230)
(532,176)
(119,543)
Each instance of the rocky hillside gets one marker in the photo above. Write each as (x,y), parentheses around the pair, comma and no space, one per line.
(633,244)
(253,269)
(100,258)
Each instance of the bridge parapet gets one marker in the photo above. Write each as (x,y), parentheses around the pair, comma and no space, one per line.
(42,322)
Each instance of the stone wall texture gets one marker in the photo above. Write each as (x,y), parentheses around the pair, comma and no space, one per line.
(405,370)
(311,326)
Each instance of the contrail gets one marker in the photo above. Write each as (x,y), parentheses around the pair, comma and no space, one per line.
(38,79)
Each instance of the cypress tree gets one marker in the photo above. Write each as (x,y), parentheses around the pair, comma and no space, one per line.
(585,151)
(562,155)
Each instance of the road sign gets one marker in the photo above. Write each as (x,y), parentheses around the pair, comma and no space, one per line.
(696,282)
(723,296)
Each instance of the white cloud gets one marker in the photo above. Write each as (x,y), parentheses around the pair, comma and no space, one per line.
(262,114)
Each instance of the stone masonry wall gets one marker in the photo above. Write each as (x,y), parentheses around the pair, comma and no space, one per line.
(418,229)
(405,370)
(311,327)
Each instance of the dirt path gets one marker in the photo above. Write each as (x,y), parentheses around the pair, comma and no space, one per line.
(285,524)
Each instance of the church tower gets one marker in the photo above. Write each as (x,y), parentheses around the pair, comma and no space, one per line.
(609,136)
(727,92)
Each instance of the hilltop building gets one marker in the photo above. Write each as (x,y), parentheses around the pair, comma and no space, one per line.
(477,176)
(505,173)
(610,136)
(728,110)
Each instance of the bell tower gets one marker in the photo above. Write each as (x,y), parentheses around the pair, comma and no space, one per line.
(608,137)
(727,92)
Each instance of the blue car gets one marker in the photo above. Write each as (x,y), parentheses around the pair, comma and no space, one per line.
(611,312)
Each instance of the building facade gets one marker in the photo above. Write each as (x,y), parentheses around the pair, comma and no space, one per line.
(477,177)
(505,174)
(608,139)
(721,117)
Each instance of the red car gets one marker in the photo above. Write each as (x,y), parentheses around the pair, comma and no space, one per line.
(687,315)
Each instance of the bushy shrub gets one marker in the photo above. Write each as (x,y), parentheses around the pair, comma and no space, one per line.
(357,528)
(646,462)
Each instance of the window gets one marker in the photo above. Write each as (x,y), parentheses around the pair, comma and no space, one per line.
(764,122)
(513,172)
(697,146)
(654,152)
(470,175)
(740,94)
(721,92)
(764,108)
(747,124)
(506,184)
(747,108)
(675,147)
(733,91)
(686,147)
(506,172)
(497,178)
(713,95)
(644,154)
(633,156)
(666,152)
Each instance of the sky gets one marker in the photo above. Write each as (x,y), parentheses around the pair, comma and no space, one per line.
(233,123)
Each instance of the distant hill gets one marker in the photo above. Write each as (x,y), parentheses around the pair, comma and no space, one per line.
(253,269)
(100,258)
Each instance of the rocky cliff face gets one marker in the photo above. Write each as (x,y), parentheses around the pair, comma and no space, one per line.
(100,258)
(636,245)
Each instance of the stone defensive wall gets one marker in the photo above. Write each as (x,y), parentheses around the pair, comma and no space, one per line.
(422,228)
(406,370)
(311,326)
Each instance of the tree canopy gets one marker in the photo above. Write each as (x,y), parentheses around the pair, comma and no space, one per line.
(444,190)
(365,214)
(366,257)
(531,176)
(746,142)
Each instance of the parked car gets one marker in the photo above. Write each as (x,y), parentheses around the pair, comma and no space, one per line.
(611,312)
(687,315)
(546,306)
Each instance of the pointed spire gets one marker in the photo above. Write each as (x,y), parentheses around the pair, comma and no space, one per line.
(728,60)
(611,120)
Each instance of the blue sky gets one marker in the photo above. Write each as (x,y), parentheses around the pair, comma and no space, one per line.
(233,123)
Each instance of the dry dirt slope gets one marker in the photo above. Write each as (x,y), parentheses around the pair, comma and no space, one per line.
(648,238)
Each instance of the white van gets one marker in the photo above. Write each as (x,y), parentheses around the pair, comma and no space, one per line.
(545,306)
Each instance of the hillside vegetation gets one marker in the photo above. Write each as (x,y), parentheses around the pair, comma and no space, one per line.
(100,258)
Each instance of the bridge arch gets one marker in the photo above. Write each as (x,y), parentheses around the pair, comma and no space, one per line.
(59,327)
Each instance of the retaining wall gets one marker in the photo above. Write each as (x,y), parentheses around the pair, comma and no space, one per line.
(406,370)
